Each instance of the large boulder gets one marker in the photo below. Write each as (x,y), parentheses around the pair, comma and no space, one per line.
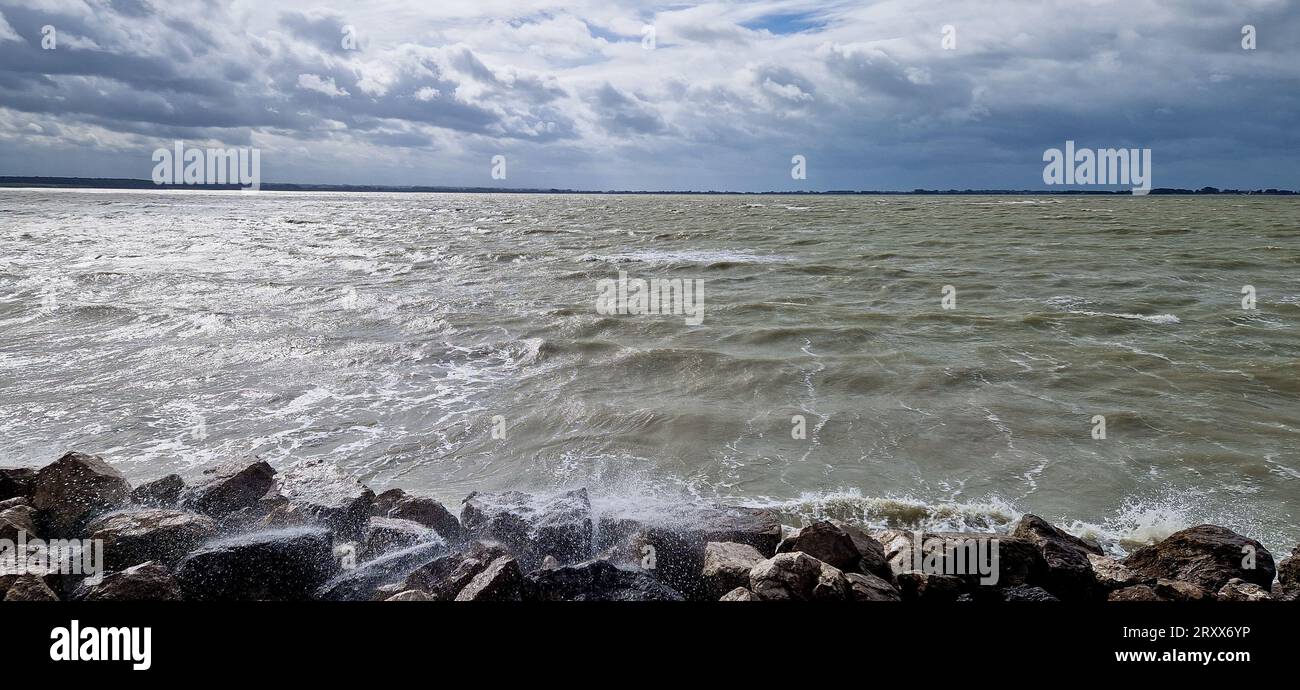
(361,583)
(73,489)
(18,519)
(871,551)
(30,588)
(1068,571)
(500,580)
(382,535)
(1207,556)
(229,487)
(444,577)
(132,537)
(868,587)
(727,566)
(149,581)
(798,577)
(284,564)
(530,527)
(429,513)
(328,496)
(914,585)
(15,482)
(596,580)
(670,542)
(160,493)
(826,542)
(966,555)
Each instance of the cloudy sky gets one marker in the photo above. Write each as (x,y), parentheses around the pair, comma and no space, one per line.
(570,94)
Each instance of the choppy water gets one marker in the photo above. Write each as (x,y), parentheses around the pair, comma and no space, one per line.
(168,331)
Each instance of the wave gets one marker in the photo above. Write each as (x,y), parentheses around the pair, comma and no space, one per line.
(1149,318)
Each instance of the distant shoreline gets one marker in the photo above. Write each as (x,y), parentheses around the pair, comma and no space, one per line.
(131,184)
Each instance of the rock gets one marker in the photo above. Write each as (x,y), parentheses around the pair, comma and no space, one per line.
(276,565)
(549,563)
(30,588)
(915,585)
(1288,571)
(382,535)
(727,566)
(1068,571)
(532,528)
(36,561)
(1239,590)
(1207,556)
(799,577)
(1134,593)
(596,580)
(1026,593)
(501,580)
(868,587)
(1110,574)
(160,493)
(740,594)
(329,496)
(20,518)
(872,552)
(967,555)
(1177,590)
(410,595)
(825,542)
(149,581)
(385,501)
(14,502)
(132,537)
(429,513)
(229,487)
(445,576)
(361,582)
(672,540)
(17,482)
(73,489)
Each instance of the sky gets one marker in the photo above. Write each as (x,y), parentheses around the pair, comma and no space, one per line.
(887,95)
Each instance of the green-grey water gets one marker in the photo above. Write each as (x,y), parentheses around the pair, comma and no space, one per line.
(167,331)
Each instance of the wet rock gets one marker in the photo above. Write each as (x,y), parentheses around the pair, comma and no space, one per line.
(1288,571)
(410,595)
(1239,590)
(1068,570)
(329,496)
(871,551)
(149,581)
(1026,593)
(160,493)
(15,564)
(798,577)
(150,534)
(18,519)
(73,489)
(1134,593)
(17,482)
(276,565)
(740,594)
(384,502)
(382,535)
(229,487)
(825,542)
(596,580)
(445,576)
(727,566)
(914,585)
(670,543)
(532,528)
(500,580)
(1207,556)
(868,587)
(30,588)
(967,555)
(14,502)
(550,562)
(361,582)
(1177,590)
(429,513)
(1110,574)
